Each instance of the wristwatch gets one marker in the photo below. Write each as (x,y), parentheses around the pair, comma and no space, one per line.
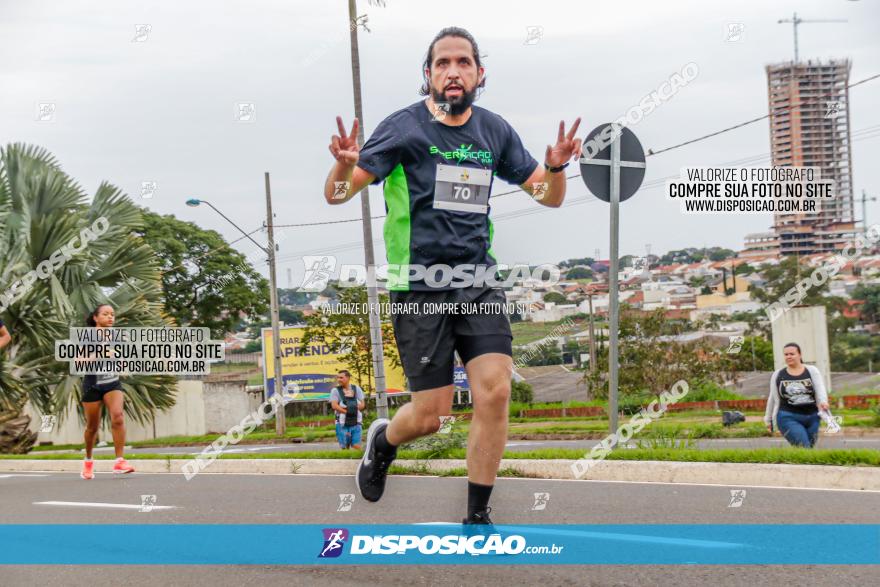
(555,169)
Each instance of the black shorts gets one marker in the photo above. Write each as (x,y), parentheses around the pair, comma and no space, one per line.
(94,392)
(427,339)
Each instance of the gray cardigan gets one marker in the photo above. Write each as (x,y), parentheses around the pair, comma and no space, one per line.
(773,399)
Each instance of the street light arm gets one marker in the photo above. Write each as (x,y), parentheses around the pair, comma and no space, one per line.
(262,248)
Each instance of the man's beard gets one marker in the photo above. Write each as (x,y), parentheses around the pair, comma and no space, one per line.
(458,104)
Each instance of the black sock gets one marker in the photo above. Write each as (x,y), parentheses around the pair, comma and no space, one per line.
(382,445)
(478,497)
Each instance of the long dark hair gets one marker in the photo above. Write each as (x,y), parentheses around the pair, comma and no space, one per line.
(90,319)
(452,31)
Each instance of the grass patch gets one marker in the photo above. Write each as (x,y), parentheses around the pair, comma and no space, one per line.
(526,332)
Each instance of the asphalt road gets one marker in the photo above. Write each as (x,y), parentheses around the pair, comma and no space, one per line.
(825,441)
(304,499)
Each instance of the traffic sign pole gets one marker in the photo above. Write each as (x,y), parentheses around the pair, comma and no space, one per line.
(613,298)
(613,174)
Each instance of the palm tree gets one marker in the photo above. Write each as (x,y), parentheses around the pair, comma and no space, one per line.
(42,209)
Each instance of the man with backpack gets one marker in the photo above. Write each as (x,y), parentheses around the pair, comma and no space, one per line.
(348,404)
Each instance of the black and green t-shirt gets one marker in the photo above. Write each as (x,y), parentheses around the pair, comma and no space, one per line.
(796,392)
(404,151)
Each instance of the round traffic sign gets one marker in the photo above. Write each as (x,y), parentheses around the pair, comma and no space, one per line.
(596,161)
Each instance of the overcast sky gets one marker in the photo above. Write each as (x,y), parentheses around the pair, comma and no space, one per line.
(159,104)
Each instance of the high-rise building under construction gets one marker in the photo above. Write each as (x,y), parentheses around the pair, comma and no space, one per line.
(810,127)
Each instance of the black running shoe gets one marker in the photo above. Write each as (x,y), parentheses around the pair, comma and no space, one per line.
(479,517)
(479,524)
(373,468)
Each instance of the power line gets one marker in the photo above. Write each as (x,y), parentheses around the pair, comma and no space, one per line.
(745,160)
(654,183)
(515,191)
(858,135)
(753,120)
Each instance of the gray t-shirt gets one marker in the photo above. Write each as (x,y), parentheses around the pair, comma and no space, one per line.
(335,394)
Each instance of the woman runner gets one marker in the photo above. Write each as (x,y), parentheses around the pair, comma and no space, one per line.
(103,388)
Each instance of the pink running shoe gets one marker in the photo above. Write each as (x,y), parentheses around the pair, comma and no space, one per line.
(88,470)
(122,466)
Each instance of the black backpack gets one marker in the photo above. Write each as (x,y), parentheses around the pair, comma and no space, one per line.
(351,405)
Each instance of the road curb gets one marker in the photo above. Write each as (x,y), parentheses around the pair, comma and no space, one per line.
(728,474)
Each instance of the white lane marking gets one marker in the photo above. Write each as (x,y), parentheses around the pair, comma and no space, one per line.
(17,475)
(119,506)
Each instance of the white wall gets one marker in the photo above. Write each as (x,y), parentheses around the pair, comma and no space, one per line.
(808,327)
(226,404)
(186,417)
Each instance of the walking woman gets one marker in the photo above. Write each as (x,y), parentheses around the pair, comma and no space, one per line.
(103,388)
(797,393)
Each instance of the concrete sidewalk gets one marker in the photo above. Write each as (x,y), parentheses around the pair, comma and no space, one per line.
(735,474)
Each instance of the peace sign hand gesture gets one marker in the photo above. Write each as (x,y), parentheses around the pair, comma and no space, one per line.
(344,147)
(566,147)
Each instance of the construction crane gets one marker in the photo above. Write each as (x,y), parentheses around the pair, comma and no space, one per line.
(795,21)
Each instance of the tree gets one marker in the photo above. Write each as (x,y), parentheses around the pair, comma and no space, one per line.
(763,355)
(870,294)
(351,332)
(579,273)
(651,360)
(555,297)
(785,276)
(718,254)
(206,282)
(539,355)
(587,261)
(855,352)
(253,346)
(289,316)
(42,211)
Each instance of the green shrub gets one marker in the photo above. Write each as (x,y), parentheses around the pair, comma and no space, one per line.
(521,392)
(705,391)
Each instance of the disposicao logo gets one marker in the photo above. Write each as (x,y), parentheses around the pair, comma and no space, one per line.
(334,540)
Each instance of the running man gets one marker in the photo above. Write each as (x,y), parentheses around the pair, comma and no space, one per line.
(438,158)
(98,389)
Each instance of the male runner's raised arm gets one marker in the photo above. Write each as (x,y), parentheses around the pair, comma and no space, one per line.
(345,173)
(547,187)
(357,167)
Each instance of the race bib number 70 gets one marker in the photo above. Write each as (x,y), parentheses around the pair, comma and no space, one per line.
(465,189)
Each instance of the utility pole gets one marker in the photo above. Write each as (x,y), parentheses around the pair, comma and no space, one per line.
(592,335)
(369,257)
(865,200)
(754,364)
(280,411)
(795,21)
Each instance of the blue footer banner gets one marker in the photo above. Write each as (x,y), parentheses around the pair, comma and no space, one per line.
(312,544)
